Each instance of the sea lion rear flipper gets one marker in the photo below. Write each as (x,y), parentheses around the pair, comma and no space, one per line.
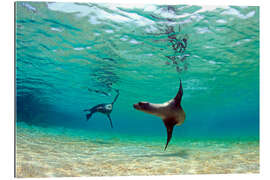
(88,116)
(110,119)
(169,123)
(179,95)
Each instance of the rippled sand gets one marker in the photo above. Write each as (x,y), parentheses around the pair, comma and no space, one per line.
(44,152)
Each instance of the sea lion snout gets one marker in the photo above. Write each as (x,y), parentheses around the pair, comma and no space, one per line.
(136,106)
(141,106)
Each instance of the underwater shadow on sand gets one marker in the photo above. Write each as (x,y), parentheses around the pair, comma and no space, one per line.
(182,154)
(100,142)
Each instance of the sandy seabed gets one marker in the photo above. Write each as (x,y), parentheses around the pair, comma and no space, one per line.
(50,154)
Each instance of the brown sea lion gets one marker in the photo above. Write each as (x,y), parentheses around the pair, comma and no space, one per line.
(171,112)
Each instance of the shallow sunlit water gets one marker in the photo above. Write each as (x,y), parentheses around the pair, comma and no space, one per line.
(72,56)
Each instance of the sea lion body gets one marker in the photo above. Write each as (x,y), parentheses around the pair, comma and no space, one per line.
(167,110)
(171,112)
(105,108)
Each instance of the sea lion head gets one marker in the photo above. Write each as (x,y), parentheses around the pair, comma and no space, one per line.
(108,107)
(143,106)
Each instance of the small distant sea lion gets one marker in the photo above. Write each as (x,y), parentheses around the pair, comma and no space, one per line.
(105,108)
(171,112)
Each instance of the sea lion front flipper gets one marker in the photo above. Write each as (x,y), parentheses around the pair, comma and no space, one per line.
(179,95)
(117,91)
(110,119)
(169,123)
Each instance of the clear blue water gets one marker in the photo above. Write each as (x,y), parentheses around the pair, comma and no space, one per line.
(72,56)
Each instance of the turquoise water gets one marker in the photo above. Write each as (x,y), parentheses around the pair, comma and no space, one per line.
(72,56)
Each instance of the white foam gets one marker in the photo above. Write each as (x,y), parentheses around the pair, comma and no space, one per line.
(202,30)
(221,21)
(78,49)
(235,12)
(56,29)
(109,31)
(133,41)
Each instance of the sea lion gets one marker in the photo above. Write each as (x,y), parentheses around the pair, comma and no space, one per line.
(171,112)
(105,108)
